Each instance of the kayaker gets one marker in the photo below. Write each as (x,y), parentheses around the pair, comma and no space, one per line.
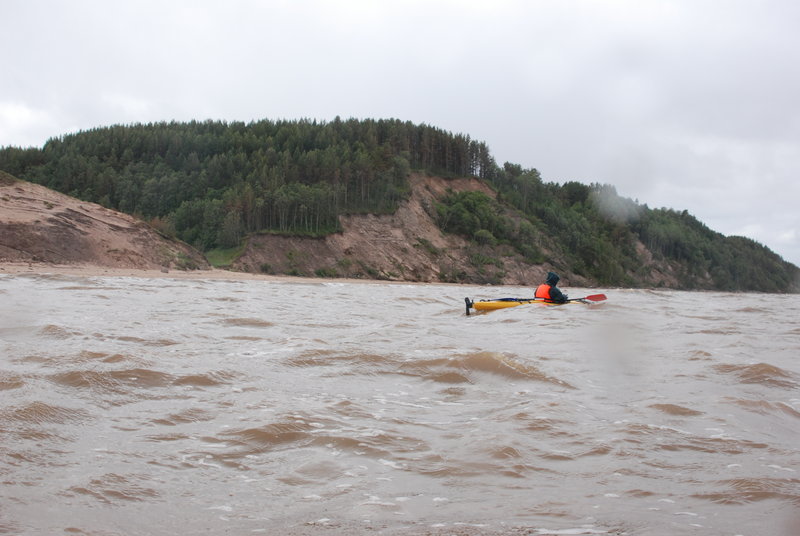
(549,291)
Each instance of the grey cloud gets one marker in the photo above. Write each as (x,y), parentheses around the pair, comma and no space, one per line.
(689,104)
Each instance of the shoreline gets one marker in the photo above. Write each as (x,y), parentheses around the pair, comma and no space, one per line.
(87,270)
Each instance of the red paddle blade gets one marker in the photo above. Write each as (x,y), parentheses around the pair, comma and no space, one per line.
(596,297)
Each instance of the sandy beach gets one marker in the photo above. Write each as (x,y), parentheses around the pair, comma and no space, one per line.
(22,268)
(85,270)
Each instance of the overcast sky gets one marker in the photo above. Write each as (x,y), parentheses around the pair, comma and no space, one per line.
(687,104)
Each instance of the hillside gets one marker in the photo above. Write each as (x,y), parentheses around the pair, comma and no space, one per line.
(39,225)
(408,245)
(384,199)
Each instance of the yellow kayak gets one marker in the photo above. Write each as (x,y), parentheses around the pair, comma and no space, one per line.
(504,303)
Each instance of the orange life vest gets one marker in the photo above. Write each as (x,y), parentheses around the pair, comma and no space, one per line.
(543,291)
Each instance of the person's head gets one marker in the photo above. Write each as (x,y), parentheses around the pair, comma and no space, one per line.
(552,279)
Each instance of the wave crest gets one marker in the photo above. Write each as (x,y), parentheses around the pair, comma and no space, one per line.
(749,490)
(760,373)
(464,368)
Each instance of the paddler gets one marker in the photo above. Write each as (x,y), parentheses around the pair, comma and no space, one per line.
(549,291)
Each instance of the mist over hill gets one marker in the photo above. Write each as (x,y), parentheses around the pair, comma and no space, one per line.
(251,193)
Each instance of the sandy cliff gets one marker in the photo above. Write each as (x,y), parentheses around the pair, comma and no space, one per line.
(39,225)
(404,246)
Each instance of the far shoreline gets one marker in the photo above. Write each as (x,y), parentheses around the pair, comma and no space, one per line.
(87,270)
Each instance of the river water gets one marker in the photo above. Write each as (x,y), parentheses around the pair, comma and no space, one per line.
(136,406)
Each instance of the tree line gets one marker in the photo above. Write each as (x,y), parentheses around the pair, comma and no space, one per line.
(592,231)
(212,183)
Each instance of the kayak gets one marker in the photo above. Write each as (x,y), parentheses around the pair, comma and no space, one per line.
(504,303)
(492,305)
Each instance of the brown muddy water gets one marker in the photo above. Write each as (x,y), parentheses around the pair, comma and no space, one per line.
(133,406)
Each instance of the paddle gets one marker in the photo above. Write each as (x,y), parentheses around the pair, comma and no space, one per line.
(593,297)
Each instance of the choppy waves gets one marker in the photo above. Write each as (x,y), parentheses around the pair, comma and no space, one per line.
(274,407)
